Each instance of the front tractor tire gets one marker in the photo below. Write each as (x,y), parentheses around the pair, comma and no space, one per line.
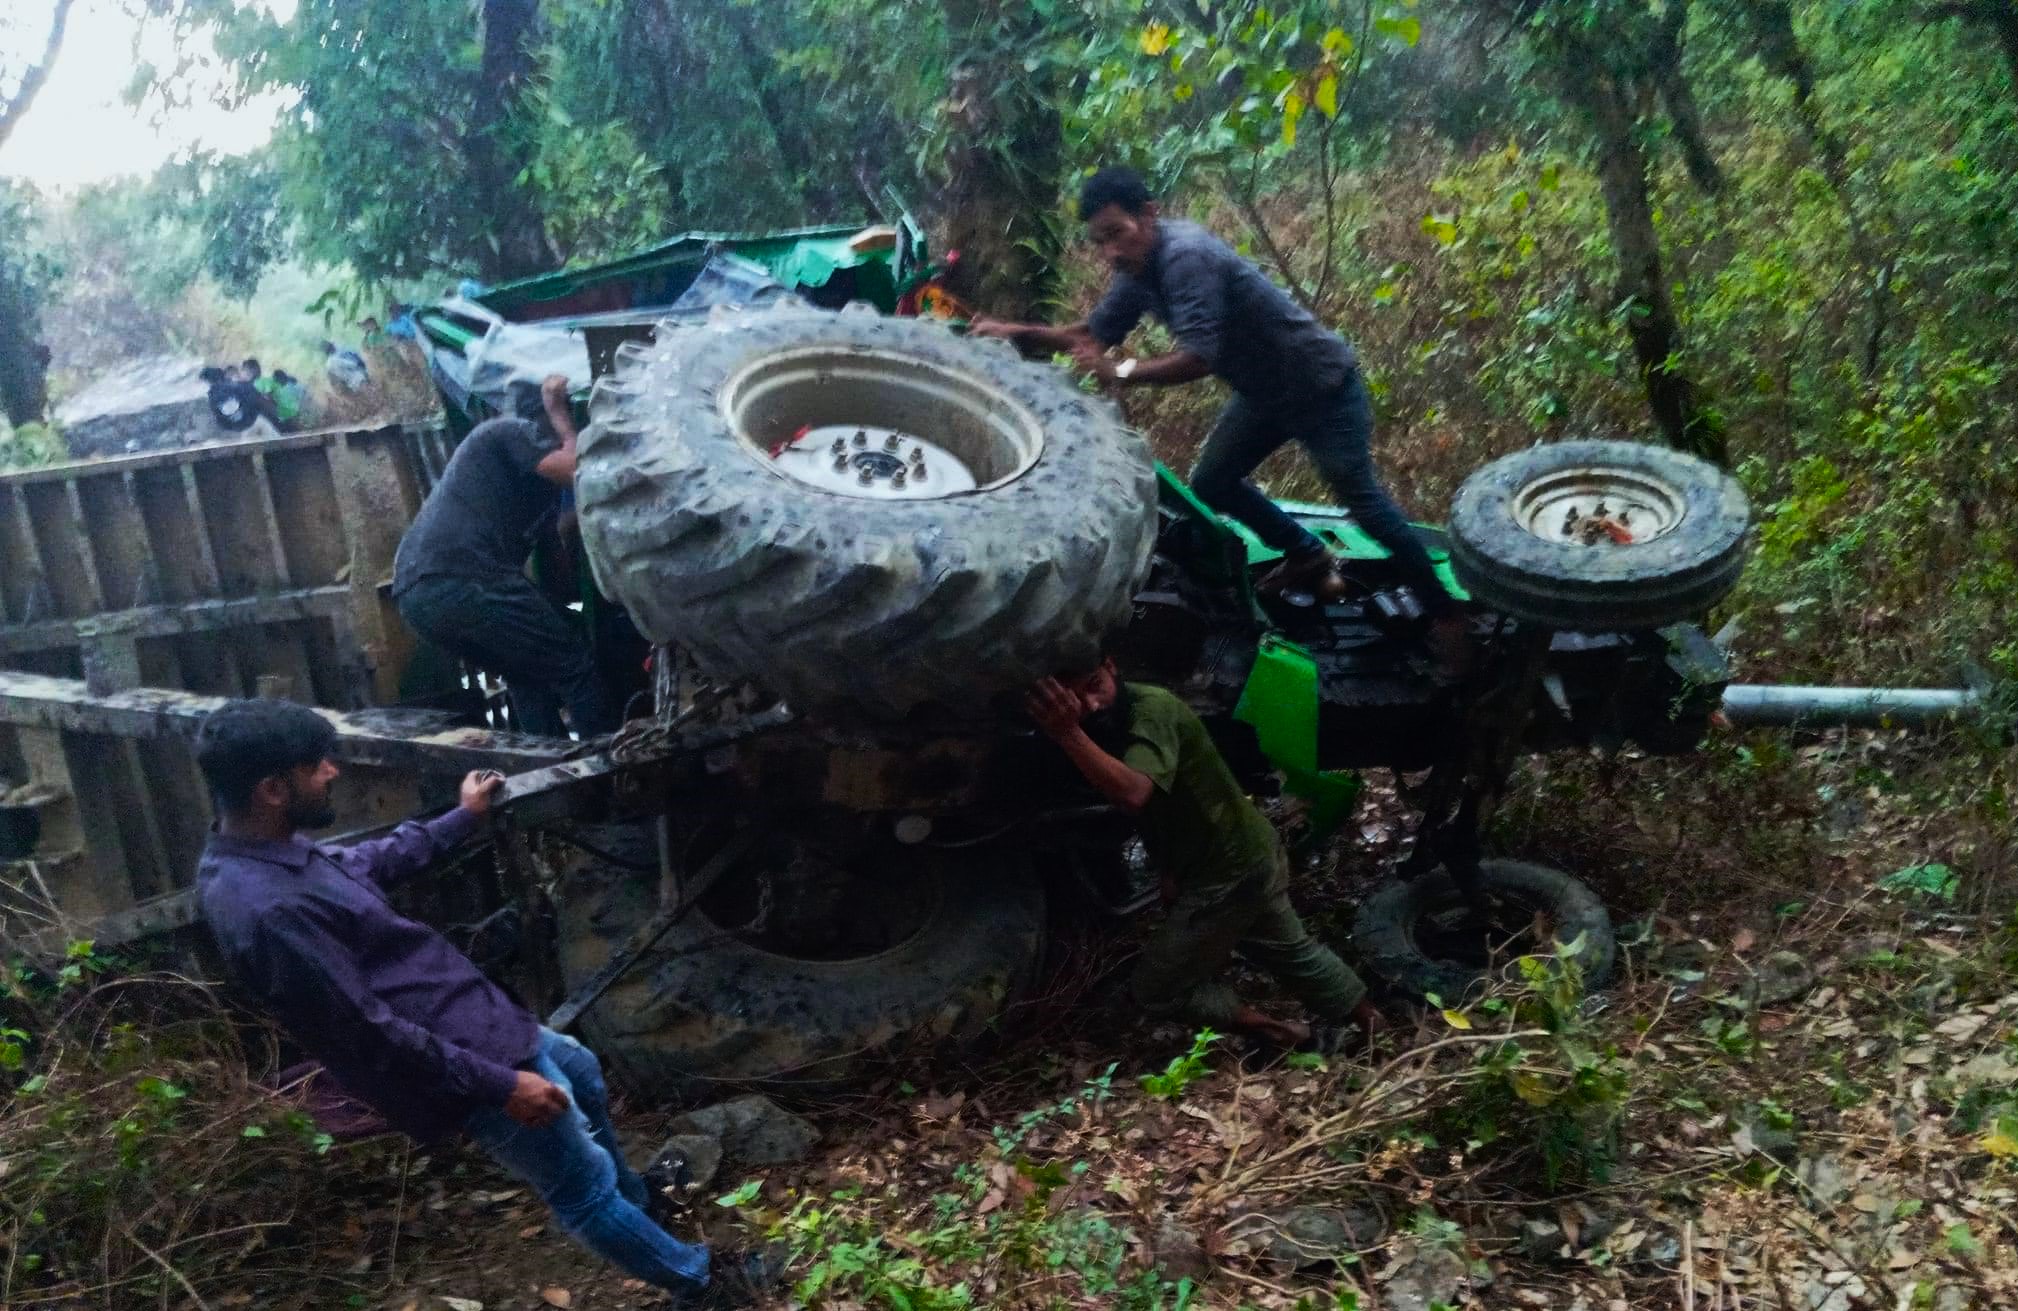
(1599,536)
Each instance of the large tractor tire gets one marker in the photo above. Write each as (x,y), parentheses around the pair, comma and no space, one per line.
(862,513)
(1599,536)
(795,973)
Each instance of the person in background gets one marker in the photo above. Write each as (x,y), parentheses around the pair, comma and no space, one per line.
(399,321)
(459,577)
(1292,379)
(250,372)
(1225,873)
(403,1021)
(290,398)
(345,368)
(233,403)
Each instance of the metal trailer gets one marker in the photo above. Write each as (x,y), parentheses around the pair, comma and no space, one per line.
(138,592)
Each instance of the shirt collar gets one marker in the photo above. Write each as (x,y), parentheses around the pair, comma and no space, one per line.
(1156,251)
(293,853)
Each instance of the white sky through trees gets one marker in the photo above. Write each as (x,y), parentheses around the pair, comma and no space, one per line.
(79,130)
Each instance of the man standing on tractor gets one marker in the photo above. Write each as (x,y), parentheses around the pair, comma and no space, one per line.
(1291,378)
(1225,873)
(402,1020)
(459,576)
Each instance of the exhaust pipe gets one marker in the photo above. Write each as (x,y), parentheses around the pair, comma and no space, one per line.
(1852,707)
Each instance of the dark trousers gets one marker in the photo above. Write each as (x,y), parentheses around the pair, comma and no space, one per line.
(1177,973)
(1336,430)
(506,627)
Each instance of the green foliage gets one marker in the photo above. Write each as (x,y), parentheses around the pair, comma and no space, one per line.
(1183,1070)
(128,1120)
(1212,99)
(1560,1095)
(1936,881)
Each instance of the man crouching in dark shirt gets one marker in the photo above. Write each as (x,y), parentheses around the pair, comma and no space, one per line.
(459,576)
(402,1020)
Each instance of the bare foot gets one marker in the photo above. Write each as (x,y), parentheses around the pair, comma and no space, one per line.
(1283,1033)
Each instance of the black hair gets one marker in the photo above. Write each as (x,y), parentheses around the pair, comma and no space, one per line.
(1111,728)
(527,402)
(1115,185)
(242,742)
(282,375)
(211,373)
(249,363)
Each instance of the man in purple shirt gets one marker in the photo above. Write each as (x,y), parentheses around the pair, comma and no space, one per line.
(399,1017)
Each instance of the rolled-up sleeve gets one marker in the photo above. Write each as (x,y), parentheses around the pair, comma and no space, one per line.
(1194,294)
(1126,301)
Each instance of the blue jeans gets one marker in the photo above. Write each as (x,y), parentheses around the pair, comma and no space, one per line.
(577,1168)
(1336,430)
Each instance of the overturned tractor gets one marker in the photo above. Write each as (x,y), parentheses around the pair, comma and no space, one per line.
(846,540)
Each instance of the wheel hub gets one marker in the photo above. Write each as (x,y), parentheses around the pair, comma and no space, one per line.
(1599,507)
(874,463)
(882,427)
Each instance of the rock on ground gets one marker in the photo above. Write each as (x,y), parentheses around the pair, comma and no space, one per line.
(148,404)
(749,1131)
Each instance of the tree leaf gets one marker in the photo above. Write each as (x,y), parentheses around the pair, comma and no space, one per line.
(1406,30)
(1456,1019)
(1292,109)
(1326,98)
(1155,38)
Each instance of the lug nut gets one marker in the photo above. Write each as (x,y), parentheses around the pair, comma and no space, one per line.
(839,447)
(868,476)
(840,464)
(917,455)
(918,471)
(861,437)
(897,479)
(890,442)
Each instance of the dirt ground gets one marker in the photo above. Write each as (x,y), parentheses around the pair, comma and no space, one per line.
(1801,1092)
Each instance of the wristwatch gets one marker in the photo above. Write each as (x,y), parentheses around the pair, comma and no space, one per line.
(1126,368)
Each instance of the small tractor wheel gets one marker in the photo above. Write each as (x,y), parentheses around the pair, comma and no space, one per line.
(1599,536)
(1420,936)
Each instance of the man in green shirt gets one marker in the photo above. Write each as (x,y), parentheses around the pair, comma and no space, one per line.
(1225,874)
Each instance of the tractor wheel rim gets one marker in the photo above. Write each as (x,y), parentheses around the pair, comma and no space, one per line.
(1598,506)
(879,426)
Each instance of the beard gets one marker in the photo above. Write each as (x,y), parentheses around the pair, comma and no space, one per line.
(309,812)
(1109,728)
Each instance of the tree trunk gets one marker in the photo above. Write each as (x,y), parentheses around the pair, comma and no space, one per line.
(12,108)
(2000,16)
(1003,162)
(1642,290)
(24,360)
(1773,38)
(1664,58)
(518,244)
